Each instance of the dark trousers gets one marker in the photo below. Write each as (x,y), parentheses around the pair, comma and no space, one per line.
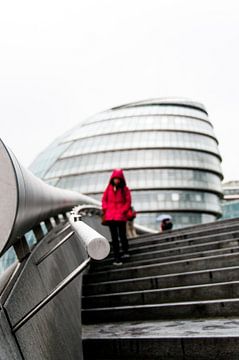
(118,234)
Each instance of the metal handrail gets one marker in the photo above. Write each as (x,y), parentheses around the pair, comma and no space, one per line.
(43,257)
(96,245)
(80,208)
(48,298)
(140,228)
(26,200)
(59,233)
(63,230)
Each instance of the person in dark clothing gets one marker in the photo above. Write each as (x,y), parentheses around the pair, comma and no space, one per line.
(166,224)
(116,202)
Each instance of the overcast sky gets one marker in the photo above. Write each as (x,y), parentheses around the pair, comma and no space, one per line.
(62,61)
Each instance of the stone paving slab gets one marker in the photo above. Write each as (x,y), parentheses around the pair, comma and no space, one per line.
(228,327)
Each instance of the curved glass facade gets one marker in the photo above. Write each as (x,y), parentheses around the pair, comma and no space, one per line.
(166,147)
(231,190)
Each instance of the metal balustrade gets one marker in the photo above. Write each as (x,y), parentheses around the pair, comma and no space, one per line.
(28,204)
(26,201)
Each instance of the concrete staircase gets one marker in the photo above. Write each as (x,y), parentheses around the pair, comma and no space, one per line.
(176,297)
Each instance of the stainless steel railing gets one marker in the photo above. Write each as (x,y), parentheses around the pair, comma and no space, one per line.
(97,247)
(26,200)
(53,294)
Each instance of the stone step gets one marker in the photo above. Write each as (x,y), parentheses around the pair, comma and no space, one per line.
(162,259)
(187,233)
(171,267)
(163,281)
(222,290)
(183,252)
(177,297)
(216,339)
(169,242)
(166,311)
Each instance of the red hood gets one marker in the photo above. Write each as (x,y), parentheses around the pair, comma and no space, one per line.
(118,173)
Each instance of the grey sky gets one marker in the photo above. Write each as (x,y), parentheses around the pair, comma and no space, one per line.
(62,61)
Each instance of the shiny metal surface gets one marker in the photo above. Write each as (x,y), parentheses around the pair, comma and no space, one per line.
(27,200)
(66,238)
(48,298)
(97,246)
(96,209)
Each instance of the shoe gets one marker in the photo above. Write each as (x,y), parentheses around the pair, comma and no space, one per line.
(125,256)
(117,263)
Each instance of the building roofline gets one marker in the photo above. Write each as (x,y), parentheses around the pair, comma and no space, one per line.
(171,101)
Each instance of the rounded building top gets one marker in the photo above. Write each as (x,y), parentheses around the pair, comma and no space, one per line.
(173,101)
(166,146)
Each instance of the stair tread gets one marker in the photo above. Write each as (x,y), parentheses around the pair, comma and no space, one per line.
(218,327)
(130,280)
(185,233)
(177,248)
(125,270)
(174,288)
(157,242)
(191,255)
(174,304)
(155,308)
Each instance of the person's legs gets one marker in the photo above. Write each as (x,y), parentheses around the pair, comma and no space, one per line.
(122,235)
(115,240)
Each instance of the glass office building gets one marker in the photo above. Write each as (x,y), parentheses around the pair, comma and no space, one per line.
(230,209)
(166,147)
(231,190)
(230,203)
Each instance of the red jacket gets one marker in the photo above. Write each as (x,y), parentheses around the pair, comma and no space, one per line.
(116,201)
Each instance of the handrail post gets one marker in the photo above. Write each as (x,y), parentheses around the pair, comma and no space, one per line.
(57,220)
(21,248)
(65,216)
(48,225)
(38,232)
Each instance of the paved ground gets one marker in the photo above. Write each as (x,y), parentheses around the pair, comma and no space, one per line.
(163,329)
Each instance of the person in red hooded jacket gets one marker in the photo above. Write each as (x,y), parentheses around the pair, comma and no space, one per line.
(116,202)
